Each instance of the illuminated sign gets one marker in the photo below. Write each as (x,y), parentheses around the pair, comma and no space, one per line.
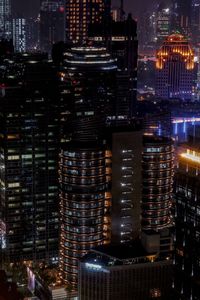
(93,266)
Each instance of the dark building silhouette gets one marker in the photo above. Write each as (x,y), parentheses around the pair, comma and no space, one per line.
(121,41)
(52,24)
(8,289)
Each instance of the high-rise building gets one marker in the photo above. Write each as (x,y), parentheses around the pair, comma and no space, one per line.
(52,20)
(5,19)
(142,179)
(89,83)
(79,14)
(175,69)
(187,244)
(19,34)
(29,143)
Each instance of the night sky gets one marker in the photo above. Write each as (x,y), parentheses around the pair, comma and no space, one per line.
(31,7)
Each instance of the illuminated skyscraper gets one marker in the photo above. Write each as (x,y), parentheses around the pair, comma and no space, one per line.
(79,14)
(5,19)
(175,69)
(89,83)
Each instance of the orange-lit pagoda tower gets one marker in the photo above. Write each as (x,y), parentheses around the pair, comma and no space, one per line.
(175,68)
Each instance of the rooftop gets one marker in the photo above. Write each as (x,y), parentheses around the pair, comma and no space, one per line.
(116,255)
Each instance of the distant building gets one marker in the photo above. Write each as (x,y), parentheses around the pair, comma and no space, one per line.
(163,22)
(182,16)
(52,24)
(19,34)
(116,14)
(32,34)
(175,69)
(147,32)
(124,272)
(5,19)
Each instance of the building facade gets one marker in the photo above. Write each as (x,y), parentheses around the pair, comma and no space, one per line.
(29,146)
(126,185)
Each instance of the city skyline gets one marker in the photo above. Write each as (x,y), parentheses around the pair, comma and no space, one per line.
(99,149)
